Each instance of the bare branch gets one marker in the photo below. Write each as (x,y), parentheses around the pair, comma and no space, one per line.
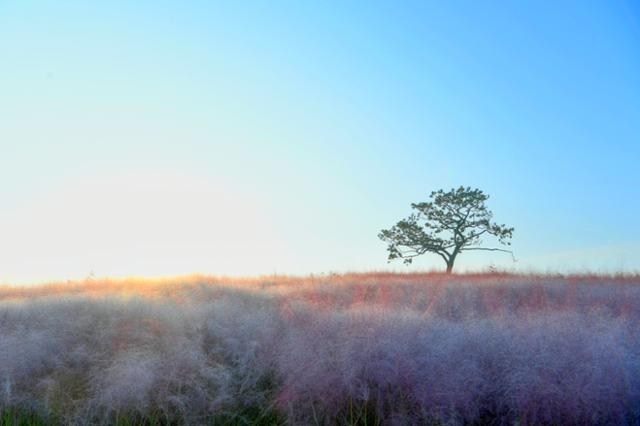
(486,249)
(491,249)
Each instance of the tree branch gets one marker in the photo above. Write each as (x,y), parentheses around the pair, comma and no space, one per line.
(472,236)
(491,249)
(487,249)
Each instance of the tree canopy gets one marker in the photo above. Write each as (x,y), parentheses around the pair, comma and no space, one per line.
(452,222)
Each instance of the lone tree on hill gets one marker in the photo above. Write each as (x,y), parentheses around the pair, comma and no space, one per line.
(451,223)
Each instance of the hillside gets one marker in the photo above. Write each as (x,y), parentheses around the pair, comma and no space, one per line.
(374,348)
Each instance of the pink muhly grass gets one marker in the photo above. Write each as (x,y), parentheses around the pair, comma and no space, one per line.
(398,348)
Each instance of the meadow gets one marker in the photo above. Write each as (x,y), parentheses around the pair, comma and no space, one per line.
(352,349)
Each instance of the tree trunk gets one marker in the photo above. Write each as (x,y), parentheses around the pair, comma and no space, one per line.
(451,260)
(449,266)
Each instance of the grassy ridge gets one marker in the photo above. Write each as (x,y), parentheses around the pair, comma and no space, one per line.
(356,349)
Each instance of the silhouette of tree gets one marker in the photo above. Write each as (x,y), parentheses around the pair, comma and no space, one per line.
(453,222)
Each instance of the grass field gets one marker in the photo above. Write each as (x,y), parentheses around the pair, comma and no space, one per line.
(355,349)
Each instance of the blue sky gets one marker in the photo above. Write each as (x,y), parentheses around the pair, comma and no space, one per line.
(164,138)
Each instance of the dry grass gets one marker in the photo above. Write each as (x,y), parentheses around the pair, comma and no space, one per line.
(375,348)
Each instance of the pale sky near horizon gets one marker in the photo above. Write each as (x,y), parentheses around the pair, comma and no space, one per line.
(166,138)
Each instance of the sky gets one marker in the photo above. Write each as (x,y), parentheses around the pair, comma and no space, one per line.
(242,138)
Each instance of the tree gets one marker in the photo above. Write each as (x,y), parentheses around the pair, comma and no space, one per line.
(453,222)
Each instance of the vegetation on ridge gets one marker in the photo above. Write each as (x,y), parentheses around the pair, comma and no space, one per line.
(343,349)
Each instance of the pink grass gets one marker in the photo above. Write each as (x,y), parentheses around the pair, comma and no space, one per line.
(410,348)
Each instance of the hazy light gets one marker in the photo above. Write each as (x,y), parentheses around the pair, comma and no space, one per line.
(150,224)
(283,138)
